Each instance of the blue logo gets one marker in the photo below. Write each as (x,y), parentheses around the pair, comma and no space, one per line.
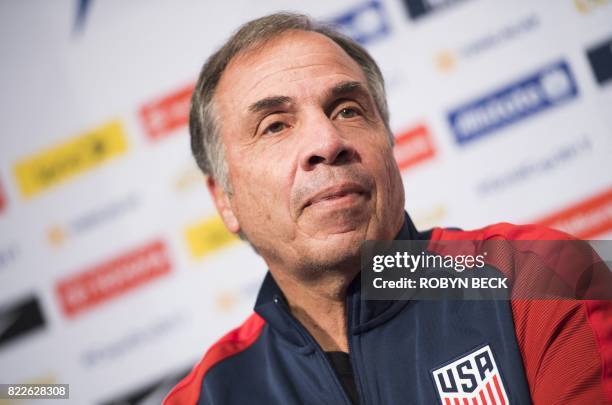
(549,87)
(364,23)
(600,58)
(83,7)
(421,8)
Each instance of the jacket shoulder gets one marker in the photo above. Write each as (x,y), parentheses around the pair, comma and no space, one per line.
(502,230)
(566,345)
(188,390)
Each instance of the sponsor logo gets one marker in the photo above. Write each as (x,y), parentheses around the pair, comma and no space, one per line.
(114,277)
(420,8)
(53,166)
(585,220)
(207,236)
(587,6)
(226,301)
(229,300)
(447,60)
(600,58)
(2,199)
(88,221)
(474,378)
(430,217)
(413,146)
(526,170)
(364,23)
(81,14)
(19,319)
(188,179)
(149,394)
(548,87)
(164,116)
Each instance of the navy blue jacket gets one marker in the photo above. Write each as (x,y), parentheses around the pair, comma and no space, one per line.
(411,352)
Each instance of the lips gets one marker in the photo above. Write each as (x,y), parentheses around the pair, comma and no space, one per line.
(336,192)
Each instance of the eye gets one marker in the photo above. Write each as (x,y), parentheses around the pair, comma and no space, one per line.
(275,127)
(348,112)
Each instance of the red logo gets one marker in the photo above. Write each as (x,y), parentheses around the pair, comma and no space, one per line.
(2,199)
(117,276)
(163,116)
(473,379)
(413,146)
(586,219)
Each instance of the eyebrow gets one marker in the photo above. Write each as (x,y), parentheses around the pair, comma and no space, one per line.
(345,88)
(339,90)
(269,103)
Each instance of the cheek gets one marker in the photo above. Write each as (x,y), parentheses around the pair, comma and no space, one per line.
(380,150)
(261,189)
(387,173)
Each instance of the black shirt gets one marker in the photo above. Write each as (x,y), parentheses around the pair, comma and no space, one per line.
(341,363)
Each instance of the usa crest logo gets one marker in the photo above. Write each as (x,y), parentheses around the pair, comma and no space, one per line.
(473,379)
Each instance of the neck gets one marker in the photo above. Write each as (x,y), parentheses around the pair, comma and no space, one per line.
(320,306)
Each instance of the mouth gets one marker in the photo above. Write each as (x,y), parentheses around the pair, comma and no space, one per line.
(346,193)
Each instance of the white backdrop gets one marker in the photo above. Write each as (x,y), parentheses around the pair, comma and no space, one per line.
(116,274)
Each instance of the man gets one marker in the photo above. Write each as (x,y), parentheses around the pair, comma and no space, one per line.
(290,124)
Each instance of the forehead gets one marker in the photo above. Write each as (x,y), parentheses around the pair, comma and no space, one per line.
(295,62)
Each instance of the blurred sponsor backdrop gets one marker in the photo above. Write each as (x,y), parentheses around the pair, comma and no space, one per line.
(115,272)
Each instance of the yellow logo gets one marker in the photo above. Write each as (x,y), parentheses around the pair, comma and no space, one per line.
(53,166)
(586,6)
(445,61)
(189,178)
(430,218)
(226,301)
(56,235)
(207,236)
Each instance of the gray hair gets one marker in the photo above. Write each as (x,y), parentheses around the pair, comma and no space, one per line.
(206,143)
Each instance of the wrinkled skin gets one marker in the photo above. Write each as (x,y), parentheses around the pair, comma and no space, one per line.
(312,171)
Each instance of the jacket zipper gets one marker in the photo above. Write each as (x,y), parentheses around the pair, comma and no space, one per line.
(353,353)
(306,335)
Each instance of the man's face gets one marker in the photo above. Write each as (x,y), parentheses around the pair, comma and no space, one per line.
(310,165)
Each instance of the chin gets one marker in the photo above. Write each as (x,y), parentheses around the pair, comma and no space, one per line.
(338,223)
(338,250)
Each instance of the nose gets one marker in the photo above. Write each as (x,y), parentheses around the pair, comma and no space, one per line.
(324,144)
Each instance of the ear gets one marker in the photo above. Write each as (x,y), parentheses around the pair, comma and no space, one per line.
(222,202)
